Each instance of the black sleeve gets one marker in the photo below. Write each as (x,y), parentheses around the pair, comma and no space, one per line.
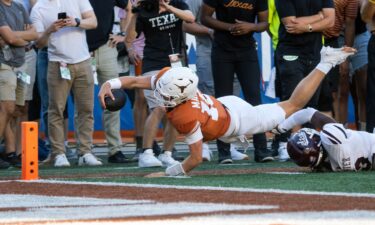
(328,4)
(261,5)
(211,3)
(121,3)
(139,25)
(285,8)
(180,5)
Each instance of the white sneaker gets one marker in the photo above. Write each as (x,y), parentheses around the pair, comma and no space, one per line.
(236,155)
(61,161)
(206,152)
(334,56)
(283,152)
(147,159)
(89,160)
(166,159)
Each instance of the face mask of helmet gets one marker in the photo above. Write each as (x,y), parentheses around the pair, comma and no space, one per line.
(304,148)
(176,86)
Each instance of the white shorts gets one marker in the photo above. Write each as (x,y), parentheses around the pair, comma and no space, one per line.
(247,119)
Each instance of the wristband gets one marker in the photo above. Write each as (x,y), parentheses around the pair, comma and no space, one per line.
(115,83)
(324,67)
(175,170)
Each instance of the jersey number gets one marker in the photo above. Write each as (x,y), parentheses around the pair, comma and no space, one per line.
(207,106)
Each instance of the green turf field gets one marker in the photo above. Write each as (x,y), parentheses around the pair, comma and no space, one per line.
(251,175)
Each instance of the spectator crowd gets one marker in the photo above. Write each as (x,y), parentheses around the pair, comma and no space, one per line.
(53,49)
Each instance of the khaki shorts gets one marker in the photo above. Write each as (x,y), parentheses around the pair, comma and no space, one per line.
(149,94)
(11,88)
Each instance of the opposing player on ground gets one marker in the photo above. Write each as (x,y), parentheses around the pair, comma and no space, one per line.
(334,148)
(203,118)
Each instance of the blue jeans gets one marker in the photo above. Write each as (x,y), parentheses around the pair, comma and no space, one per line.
(42,66)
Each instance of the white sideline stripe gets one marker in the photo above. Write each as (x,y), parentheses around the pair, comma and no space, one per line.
(52,208)
(278,191)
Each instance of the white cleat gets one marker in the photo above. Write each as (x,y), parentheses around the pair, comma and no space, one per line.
(236,155)
(88,159)
(283,152)
(61,161)
(148,159)
(206,152)
(166,159)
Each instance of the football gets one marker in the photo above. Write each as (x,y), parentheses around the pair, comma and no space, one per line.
(118,102)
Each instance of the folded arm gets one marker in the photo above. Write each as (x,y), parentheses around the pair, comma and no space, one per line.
(11,37)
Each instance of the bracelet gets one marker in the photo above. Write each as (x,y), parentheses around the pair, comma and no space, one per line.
(115,83)
(371,1)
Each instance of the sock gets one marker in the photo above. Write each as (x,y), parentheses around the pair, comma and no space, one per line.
(139,141)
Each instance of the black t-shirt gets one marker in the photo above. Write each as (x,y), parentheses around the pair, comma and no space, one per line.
(163,35)
(104,11)
(230,10)
(306,44)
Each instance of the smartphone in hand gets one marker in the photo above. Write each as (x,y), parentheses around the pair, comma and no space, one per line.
(61,15)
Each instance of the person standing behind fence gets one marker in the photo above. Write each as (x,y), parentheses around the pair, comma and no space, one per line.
(15,33)
(234,52)
(298,49)
(368,15)
(102,46)
(62,26)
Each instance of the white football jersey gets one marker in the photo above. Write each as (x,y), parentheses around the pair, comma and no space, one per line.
(348,149)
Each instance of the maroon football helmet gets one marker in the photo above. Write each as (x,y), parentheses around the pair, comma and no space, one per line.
(304,148)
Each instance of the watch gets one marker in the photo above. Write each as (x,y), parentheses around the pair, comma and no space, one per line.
(309,27)
(121,34)
(78,21)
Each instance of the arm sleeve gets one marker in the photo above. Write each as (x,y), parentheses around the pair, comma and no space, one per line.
(261,5)
(3,22)
(181,5)
(121,3)
(285,8)
(328,4)
(195,135)
(37,20)
(298,118)
(85,6)
(351,9)
(211,3)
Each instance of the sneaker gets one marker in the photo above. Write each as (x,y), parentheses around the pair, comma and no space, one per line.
(13,159)
(283,152)
(61,161)
(206,152)
(4,164)
(236,155)
(88,159)
(138,151)
(118,157)
(166,159)
(148,159)
(263,155)
(334,56)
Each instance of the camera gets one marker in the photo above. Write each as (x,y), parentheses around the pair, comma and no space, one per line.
(147,8)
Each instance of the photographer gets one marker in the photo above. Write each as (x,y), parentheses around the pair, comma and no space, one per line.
(161,23)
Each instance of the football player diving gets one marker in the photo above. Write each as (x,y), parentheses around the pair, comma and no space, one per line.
(204,118)
(334,148)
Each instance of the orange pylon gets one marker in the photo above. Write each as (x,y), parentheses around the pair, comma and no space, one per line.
(29,150)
